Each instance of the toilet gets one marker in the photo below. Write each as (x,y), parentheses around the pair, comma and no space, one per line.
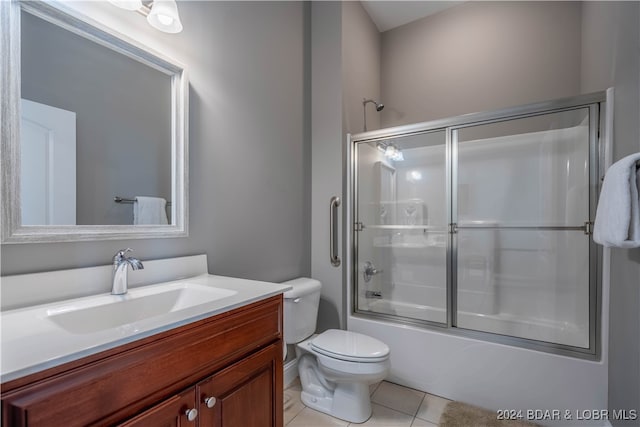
(335,367)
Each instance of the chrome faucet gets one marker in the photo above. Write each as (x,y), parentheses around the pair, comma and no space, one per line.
(120,263)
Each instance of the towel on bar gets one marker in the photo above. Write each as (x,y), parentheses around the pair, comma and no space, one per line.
(149,210)
(618,216)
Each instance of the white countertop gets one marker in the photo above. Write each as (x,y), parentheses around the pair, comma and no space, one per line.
(31,342)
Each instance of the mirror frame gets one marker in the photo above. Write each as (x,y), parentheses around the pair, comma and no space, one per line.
(10,81)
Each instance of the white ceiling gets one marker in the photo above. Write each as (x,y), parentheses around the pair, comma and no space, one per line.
(390,14)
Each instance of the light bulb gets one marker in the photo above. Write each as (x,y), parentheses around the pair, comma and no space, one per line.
(164,16)
(390,151)
(165,20)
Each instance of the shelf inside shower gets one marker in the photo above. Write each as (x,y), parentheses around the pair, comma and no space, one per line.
(425,228)
(409,238)
(409,245)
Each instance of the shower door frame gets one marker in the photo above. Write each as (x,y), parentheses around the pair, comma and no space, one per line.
(596,104)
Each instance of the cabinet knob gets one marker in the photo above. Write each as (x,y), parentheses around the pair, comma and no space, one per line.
(210,401)
(191,414)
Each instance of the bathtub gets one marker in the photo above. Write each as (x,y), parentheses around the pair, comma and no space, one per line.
(512,325)
(488,374)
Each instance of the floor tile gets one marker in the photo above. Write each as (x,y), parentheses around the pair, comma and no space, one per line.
(374,387)
(295,385)
(292,404)
(394,396)
(386,417)
(431,408)
(310,418)
(417,422)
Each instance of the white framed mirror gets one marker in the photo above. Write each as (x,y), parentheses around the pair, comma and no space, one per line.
(94,131)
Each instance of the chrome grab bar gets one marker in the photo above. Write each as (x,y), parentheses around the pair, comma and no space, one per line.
(333,231)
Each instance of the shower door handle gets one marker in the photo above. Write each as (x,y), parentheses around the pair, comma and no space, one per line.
(333,231)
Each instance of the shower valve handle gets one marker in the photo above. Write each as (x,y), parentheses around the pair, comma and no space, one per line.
(369,271)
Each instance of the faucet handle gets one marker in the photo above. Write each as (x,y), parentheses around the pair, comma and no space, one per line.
(121,254)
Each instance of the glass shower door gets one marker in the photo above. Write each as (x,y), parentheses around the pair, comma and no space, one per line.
(402,227)
(522,199)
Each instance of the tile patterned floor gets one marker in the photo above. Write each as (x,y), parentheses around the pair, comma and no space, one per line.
(393,406)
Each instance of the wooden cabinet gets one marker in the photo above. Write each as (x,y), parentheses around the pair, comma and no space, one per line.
(234,357)
(175,411)
(244,393)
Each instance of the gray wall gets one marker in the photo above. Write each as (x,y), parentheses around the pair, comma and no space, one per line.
(123,117)
(610,57)
(480,56)
(326,144)
(249,207)
(360,67)
(345,64)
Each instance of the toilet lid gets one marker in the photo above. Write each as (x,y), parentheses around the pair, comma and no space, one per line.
(347,345)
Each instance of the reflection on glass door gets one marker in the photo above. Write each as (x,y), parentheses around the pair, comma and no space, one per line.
(522,204)
(402,221)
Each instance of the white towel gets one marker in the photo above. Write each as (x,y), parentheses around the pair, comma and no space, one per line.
(149,210)
(618,216)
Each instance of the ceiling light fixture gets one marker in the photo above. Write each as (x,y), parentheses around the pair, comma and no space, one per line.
(161,14)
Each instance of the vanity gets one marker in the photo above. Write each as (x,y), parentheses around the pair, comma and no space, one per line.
(213,357)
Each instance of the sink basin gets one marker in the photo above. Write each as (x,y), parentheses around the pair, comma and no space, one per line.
(48,334)
(103,312)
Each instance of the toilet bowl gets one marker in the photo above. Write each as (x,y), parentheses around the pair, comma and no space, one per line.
(335,378)
(335,367)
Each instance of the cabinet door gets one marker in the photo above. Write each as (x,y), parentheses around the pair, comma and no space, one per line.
(173,412)
(247,393)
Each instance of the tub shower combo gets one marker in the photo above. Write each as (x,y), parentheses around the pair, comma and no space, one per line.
(475,232)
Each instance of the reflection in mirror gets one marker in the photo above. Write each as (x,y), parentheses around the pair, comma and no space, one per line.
(94,131)
(88,135)
(48,164)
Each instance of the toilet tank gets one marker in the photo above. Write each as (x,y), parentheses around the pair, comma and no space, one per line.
(300,309)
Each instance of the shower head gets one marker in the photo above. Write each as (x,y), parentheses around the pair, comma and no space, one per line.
(365,101)
(379,106)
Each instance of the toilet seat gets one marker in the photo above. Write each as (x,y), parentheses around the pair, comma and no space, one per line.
(350,346)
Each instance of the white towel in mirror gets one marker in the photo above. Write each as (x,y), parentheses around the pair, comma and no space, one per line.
(617,221)
(149,210)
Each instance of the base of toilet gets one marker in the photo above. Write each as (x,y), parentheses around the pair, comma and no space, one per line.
(350,402)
